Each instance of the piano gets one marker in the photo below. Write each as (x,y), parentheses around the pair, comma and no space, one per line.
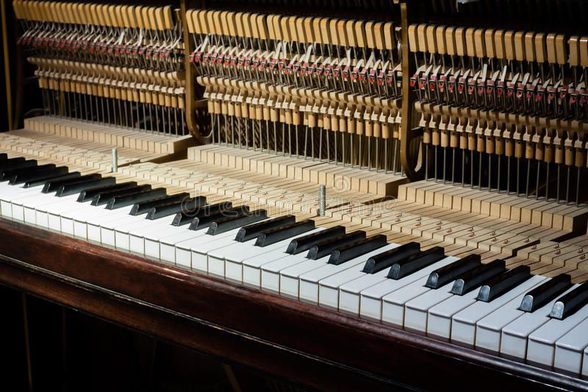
(363,195)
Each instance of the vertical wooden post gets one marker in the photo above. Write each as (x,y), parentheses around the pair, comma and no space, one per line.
(406,160)
(189,87)
(27,337)
(7,78)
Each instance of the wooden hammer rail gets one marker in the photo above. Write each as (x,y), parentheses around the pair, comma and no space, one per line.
(84,69)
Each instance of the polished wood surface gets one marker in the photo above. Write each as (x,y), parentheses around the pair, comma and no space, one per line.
(309,345)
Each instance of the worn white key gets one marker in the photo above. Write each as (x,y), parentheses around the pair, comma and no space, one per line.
(354,296)
(463,324)
(513,342)
(263,271)
(256,274)
(328,287)
(569,349)
(541,345)
(416,311)
(393,303)
(11,193)
(270,271)
(489,329)
(193,253)
(235,256)
(585,364)
(200,254)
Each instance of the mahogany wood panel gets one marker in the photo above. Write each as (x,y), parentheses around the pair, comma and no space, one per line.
(307,344)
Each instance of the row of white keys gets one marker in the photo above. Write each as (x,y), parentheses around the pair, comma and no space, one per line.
(463,323)
(489,329)
(9,193)
(193,252)
(263,271)
(393,304)
(290,274)
(329,288)
(231,258)
(514,336)
(322,284)
(371,299)
(350,292)
(541,342)
(416,312)
(97,224)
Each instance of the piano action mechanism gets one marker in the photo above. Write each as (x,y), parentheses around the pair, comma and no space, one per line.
(450,138)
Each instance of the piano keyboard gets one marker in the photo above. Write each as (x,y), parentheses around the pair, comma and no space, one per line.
(491,306)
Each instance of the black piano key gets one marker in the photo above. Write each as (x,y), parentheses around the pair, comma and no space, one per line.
(386,259)
(104,197)
(3,156)
(78,186)
(249,232)
(474,278)
(284,232)
(301,244)
(145,206)
(89,194)
(16,165)
(44,174)
(325,247)
(545,293)
(231,223)
(49,178)
(570,303)
(416,262)
(450,272)
(503,283)
(11,162)
(356,248)
(7,174)
(129,200)
(204,221)
(186,216)
(54,185)
(172,208)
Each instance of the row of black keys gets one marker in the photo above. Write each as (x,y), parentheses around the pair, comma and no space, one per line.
(492,279)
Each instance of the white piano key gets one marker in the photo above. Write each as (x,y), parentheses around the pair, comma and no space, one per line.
(585,364)
(289,276)
(193,252)
(271,272)
(489,329)
(541,344)
(82,213)
(11,193)
(513,342)
(416,311)
(328,287)
(463,324)
(238,252)
(253,273)
(361,295)
(236,270)
(263,271)
(570,348)
(393,303)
